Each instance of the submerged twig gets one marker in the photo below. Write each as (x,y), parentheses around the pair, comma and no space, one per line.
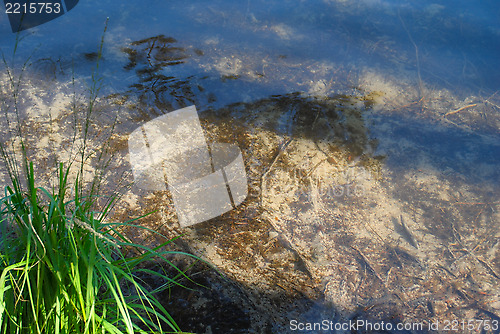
(264,176)
(458,238)
(488,100)
(487,266)
(420,85)
(368,265)
(460,109)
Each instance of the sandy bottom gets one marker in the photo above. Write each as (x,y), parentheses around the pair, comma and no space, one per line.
(379,204)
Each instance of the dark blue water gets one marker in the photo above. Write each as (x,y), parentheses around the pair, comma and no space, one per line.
(458,42)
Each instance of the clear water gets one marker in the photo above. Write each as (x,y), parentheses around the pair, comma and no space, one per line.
(425,58)
(458,42)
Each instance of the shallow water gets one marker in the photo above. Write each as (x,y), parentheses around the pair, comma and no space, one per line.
(457,43)
(396,100)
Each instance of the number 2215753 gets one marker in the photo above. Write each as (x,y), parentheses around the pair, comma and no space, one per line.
(33,8)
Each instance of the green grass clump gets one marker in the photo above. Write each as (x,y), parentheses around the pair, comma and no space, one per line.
(62,270)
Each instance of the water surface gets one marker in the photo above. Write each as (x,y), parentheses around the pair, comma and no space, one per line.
(398,100)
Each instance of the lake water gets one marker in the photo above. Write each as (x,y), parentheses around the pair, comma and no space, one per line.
(457,42)
(398,98)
